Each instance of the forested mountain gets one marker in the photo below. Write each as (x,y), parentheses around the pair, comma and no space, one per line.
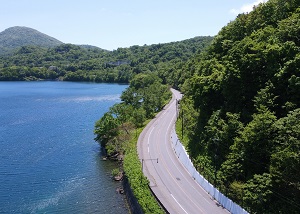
(241,109)
(16,37)
(86,63)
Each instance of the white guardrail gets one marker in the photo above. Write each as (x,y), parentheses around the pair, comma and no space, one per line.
(185,160)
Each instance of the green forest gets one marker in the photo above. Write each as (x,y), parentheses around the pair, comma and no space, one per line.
(241,109)
(87,63)
(240,114)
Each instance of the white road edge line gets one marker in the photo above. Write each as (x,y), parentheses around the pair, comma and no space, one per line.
(148,143)
(191,176)
(166,140)
(179,204)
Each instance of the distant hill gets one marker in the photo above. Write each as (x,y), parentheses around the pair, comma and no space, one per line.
(16,37)
(88,63)
(92,47)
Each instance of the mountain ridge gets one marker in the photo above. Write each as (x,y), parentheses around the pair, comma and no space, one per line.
(14,38)
(18,36)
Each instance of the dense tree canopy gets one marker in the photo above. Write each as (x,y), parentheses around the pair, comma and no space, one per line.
(144,97)
(245,91)
(118,130)
(85,63)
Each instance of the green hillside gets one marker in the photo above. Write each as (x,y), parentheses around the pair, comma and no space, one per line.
(86,63)
(16,37)
(241,109)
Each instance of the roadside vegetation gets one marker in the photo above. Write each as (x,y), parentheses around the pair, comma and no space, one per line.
(119,128)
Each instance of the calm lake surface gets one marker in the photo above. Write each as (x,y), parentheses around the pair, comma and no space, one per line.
(49,162)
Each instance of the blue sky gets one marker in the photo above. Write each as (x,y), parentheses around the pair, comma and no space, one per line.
(110,24)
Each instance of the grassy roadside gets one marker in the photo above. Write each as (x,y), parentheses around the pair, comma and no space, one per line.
(138,182)
(133,170)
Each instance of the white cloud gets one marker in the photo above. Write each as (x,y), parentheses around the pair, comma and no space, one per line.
(247,7)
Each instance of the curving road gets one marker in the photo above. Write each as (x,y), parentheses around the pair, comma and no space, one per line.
(169,180)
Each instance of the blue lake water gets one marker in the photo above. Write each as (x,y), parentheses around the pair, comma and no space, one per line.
(49,162)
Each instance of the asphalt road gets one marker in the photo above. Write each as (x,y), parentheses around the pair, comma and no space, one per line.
(169,180)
